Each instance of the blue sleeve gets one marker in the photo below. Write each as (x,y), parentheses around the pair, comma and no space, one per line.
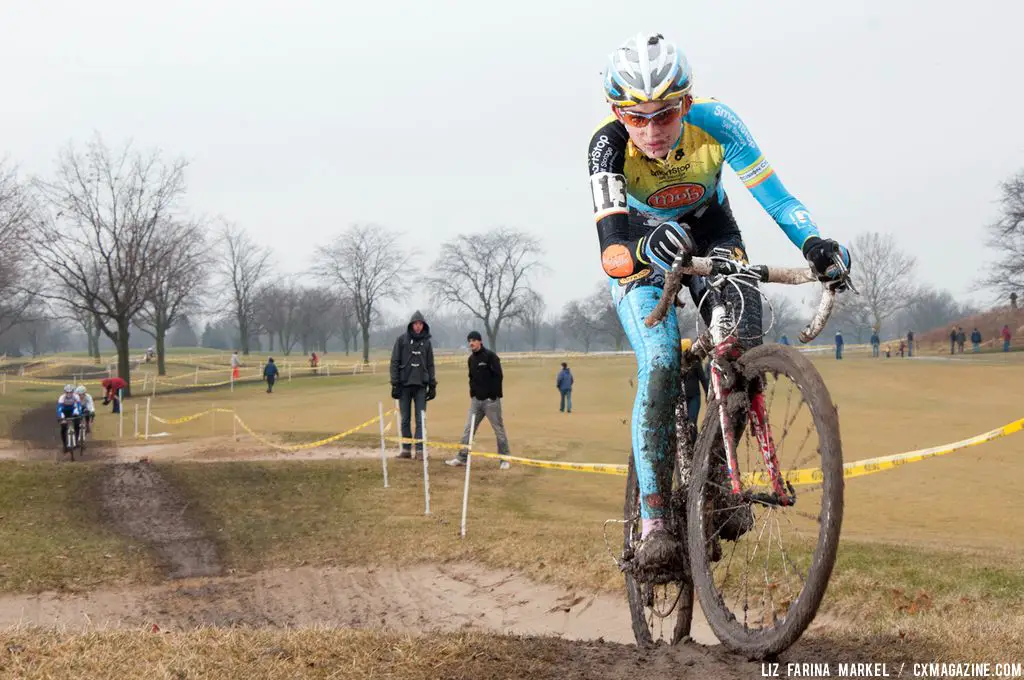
(746,159)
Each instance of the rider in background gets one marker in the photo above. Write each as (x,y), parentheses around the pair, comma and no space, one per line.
(655,175)
(88,407)
(69,409)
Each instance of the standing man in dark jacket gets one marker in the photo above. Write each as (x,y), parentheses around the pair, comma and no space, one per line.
(485,378)
(910,343)
(976,339)
(413,382)
(564,383)
(270,374)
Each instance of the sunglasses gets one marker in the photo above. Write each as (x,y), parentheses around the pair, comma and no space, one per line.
(665,116)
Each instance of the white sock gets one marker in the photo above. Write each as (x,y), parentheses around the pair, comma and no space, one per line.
(650,525)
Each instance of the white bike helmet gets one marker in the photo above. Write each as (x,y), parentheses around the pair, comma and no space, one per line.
(647,68)
(81,389)
(69,389)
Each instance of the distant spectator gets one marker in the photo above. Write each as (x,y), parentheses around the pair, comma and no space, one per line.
(270,374)
(694,381)
(910,343)
(564,382)
(839,345)
(1007,336)
(976,340)
(413,380)
(903,347)
(112,388)
(888,351)
(314,360)
(1013,301)
(236,364)
(485,378)
(961,339)
(952,340)
(784,340)
(875,342)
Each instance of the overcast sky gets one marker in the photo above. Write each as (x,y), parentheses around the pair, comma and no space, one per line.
(439,118)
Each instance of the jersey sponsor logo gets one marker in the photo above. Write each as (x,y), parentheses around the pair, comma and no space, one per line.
(609,193)
(754,170)
(616,260)
(600,153)
(642,274)
(676,196)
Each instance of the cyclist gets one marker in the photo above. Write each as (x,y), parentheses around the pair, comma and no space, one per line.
(69,408)
(88,406)
(656,177)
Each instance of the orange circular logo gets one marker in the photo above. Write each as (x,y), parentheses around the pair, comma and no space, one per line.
(676,195)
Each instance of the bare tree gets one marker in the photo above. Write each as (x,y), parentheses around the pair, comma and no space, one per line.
(368,264)
(348,324)
(316,318)
(578,324)
(278,310)
(604,319)
(175,282)
(884,275)
(101,240)
(16,211)
(244,268)
(533,318)
(783,314)
(487,275)
(1005,272)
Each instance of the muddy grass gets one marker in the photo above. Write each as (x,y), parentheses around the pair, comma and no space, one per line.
(141,505)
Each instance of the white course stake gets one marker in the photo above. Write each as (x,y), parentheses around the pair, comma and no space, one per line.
(426,469)
(469,462)
(383,454)
(147,417)
(5,384)
(120,415)
(289,371)
(195,381)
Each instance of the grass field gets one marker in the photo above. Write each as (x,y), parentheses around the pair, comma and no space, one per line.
(922,545)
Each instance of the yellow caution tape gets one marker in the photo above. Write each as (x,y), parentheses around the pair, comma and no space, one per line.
(309,445)
(870,466)
(185,419)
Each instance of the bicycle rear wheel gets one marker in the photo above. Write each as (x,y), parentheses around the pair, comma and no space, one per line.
(761,568)
(651,603)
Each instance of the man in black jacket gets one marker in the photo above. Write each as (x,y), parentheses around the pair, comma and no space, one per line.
(484,398)
(413,381)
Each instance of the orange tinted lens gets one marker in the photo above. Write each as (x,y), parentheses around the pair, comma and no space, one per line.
(635,119)
(666,116)
(663,117)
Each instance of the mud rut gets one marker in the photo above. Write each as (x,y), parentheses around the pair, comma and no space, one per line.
(139,503)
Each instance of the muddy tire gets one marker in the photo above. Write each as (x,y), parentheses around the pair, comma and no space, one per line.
(639,594)
(758,643)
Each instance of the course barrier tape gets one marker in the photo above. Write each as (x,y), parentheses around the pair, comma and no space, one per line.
(803,477)
(869,466)
(309,445)
(264,440)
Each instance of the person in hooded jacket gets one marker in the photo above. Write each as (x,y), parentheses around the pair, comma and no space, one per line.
(413,381)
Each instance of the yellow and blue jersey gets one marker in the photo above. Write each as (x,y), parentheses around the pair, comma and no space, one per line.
(633,193)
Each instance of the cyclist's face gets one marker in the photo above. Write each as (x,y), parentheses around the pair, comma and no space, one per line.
(656,138)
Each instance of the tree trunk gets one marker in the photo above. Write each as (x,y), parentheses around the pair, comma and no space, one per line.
(270,335)
(123,356)
(366,343)
(161,335)
(243,335)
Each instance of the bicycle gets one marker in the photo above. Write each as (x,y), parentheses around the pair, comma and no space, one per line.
(714,504)
(74,436)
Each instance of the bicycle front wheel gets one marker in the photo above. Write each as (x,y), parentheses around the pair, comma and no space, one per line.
(761,566)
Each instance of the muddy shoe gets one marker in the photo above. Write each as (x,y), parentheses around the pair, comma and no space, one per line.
(734,521)
(404,454)
(659,552)
(455,462)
